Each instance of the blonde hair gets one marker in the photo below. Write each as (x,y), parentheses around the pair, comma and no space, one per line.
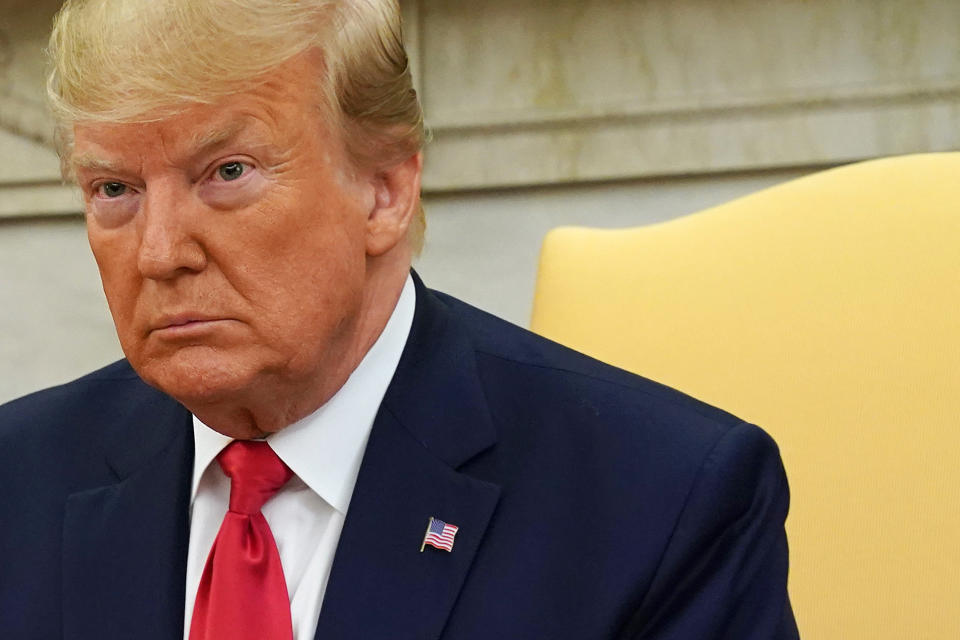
(137,61)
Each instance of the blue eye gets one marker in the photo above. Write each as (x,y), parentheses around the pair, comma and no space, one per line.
(231,170)
(113,189)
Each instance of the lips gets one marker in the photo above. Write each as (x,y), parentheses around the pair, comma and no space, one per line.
(185,323)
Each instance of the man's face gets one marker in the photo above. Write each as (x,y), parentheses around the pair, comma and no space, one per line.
(230,239)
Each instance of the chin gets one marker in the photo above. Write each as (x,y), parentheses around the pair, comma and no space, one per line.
(195,377)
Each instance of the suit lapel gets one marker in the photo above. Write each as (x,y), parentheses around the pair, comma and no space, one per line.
(124,545)
(381,585)
(433,419)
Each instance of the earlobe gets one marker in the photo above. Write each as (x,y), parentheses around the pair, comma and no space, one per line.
(396,197)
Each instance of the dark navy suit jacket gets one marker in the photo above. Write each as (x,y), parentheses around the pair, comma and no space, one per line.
(591,503)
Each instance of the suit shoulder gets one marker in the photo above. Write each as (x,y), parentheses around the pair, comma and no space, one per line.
(70,391)
(576,372)
(61,436)
(32,416)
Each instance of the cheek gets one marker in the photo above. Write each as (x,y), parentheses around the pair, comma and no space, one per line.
(313,282)
(317,317)
(115,254)
(301,234)
(306,287)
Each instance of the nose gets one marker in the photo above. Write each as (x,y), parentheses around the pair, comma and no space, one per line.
(169,245)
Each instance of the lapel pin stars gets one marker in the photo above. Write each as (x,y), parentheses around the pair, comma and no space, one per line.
(439,535)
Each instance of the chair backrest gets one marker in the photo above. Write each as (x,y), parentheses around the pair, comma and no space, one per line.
(827,310)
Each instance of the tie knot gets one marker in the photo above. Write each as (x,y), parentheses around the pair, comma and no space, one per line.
(256,473)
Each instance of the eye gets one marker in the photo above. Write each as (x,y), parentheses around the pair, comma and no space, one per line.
(112,189)
(231,170)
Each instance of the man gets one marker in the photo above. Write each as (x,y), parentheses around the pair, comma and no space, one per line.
(420,469)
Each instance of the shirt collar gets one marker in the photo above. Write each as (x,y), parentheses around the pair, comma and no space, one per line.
(325,448)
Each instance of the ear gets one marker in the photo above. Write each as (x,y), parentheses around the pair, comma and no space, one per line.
(397,195)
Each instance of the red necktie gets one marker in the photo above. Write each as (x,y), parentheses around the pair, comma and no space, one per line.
(242,593)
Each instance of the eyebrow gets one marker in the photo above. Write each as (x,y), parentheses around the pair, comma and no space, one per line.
(206,142)
(201,144)
(93,162)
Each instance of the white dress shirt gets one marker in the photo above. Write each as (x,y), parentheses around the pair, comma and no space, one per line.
(324,450)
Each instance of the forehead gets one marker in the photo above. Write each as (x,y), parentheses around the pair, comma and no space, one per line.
(277,111)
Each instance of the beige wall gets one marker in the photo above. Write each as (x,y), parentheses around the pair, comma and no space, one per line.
(528,92)
(54,321)
(595,112)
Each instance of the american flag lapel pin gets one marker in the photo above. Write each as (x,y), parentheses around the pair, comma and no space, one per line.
(439,535)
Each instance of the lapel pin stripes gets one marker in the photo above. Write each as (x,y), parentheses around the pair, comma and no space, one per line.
(439,535)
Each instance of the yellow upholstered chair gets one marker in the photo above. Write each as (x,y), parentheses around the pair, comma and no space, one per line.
(826,310)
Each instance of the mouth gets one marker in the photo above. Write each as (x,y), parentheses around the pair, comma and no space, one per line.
(186,325)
